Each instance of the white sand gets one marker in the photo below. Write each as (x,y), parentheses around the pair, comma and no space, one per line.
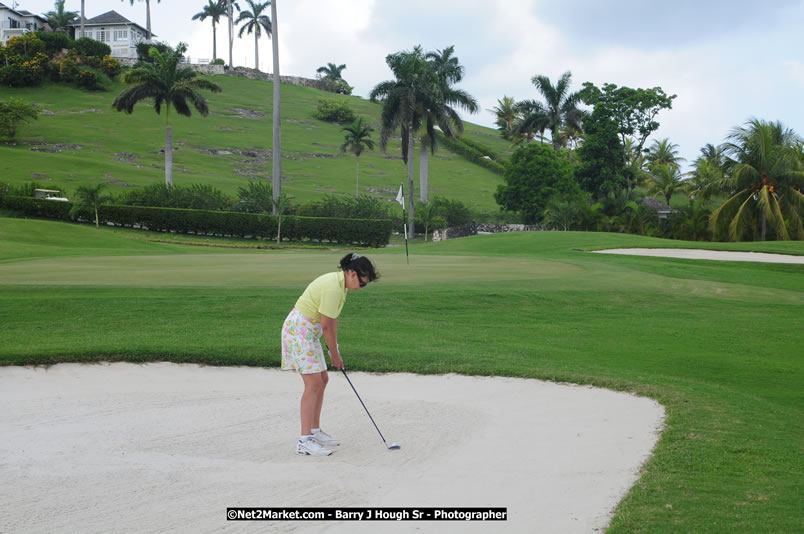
(696,254)
(165,447)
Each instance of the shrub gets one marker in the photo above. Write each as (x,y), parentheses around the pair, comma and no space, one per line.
(454,212)
(12,75)
(86,48)
(219,61)
(333,86)
(110,66)
(144,47)
(14,112)
(68,70)
(346,207)
(256,198)
(197,196)
(89,78)
(334,111)
(26,46)
(55,42)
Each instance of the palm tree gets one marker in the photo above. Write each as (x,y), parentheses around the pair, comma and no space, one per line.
(446,70)
(507,116)
(60,20)
(666,179)
(405,100)
(89,197)
(166,84)
(277,123)
(561,213)
(663,152)
(331,71)
(559,108)
(357,139)
(428,216)
(637,218)
(692,221)
(636,162)
(254,21)
(147,16)
(531,124)
(766,179)
(215,9)
(591,216)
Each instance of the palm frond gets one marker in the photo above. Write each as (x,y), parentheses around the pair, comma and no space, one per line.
(741,220)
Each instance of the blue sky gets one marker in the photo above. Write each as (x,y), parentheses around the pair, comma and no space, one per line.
(727,61)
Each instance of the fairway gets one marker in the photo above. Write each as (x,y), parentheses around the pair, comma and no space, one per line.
(717,343)
(265,270)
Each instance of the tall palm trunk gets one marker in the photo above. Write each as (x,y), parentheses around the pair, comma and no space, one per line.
(411,203)
(214,42)
(277,150)
(256,52)
(82,19)
(423,171)
(148,18)
(231,26)
(168,156)
(357,181)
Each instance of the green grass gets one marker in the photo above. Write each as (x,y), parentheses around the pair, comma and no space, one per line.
(717,343)
(312,163)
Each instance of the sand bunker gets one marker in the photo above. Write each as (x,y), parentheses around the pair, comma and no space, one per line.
(695,254)
(165,447)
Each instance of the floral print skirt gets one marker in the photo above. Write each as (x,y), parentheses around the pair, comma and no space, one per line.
(301,344)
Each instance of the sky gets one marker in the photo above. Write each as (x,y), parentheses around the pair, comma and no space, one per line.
(727,60)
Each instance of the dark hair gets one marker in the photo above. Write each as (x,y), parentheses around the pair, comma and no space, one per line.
(361,265)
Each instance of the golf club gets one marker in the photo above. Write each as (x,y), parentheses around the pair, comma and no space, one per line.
(392,446)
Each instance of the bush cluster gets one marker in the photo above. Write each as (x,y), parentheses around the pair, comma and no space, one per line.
(334,111)
(483,149)
(334,86)
(459,146)
(345,207)
(196,196)
(30,59)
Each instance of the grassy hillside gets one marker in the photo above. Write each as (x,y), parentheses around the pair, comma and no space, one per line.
(79,138)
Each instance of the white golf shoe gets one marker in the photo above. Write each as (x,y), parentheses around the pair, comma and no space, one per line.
(325,439)
(311,447)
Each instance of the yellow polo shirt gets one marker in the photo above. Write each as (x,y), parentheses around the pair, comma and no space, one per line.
(324,296)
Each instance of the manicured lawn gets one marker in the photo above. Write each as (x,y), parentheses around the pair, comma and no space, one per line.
(717,343)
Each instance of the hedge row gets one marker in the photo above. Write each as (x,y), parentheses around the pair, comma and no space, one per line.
(483,149)
(472,154)
(373,232)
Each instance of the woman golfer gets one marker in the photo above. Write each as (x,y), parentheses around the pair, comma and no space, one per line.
(316,313)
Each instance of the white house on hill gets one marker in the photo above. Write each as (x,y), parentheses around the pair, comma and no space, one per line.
(115,30)
(16,22)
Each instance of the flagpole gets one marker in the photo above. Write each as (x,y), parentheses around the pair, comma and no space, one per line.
(400,197)
(404,218)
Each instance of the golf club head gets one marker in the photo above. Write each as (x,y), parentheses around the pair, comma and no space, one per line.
(394,447)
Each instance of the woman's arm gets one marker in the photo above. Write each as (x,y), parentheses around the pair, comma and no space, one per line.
(330,327)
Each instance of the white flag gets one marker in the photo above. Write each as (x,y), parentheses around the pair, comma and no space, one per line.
(399,197)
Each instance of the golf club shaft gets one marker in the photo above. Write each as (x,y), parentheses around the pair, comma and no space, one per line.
(364,406)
